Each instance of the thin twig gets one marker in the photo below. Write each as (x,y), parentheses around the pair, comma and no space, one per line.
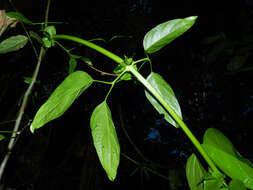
(24,103)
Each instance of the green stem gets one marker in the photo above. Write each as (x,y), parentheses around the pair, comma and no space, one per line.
(184,127)
(113,83)
(90,45)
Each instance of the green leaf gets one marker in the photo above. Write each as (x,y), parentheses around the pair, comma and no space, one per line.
(195,173)
(105,139)
(20,17)
(230,165)
(236,185)
(213,184)
(164,89)
(72,64)
(13,43)
(165,33)
(2,137)
(62,98)
(215,138)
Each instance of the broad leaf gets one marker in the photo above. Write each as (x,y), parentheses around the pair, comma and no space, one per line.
(164,89)
(105,139)
(230,165)
(215,138)
(13,43)
(62,98)
(165,33)
(236,185)
(195,173)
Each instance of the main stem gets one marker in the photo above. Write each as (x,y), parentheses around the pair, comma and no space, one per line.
(131,69)
(90,45)
(184,127)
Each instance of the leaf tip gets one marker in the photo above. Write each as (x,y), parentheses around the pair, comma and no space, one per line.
(32,129)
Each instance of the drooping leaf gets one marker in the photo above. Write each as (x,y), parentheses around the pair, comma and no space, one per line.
(13,43)
(62,98)
(165,33)
(19,16)
(164,89)
(230,165)
(236,185)
(195,173)
(105,139)
(215,138)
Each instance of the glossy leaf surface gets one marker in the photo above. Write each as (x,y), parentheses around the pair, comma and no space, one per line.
(195,173)
(165,33)
(164,89)
(13,43)
(105,139)
(62,98)
(215,138)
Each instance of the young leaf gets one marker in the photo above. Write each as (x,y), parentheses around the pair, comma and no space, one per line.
(230,165)
(19,17)
(165,33)
(105,139)
(62,98)
(195,173)
(164,89)
(13,43)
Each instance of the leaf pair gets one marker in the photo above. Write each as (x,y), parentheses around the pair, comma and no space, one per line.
(226,157)
(102,127)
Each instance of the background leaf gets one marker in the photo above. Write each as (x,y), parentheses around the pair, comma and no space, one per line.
(2,137)
(62,98)
(165,33)
(164,89)
(13,43)
(195,173)
(20,17)
(72,64)
(105,139)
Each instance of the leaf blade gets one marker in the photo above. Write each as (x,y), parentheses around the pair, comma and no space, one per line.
(105,139)
(195,173)
(165,33)
(62,98)
(165,90)
(13,43)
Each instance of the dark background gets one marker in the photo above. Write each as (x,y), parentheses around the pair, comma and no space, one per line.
(209,69)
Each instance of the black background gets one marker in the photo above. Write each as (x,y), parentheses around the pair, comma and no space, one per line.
(61,155)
